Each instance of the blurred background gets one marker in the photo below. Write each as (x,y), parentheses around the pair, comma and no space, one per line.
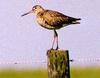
(23,43)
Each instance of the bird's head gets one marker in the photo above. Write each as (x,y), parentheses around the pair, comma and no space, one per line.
(36,9)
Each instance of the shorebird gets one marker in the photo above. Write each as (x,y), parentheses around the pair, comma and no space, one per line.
(52,20)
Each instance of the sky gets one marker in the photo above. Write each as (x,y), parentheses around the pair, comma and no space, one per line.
(24,43)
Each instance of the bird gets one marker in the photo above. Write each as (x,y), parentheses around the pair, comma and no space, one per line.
(52,20)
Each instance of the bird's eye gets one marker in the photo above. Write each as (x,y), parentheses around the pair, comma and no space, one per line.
(33,8)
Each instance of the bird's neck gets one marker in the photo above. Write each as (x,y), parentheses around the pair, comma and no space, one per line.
(39,11)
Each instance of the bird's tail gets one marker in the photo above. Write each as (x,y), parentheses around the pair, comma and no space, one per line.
(78,19)
(75,21)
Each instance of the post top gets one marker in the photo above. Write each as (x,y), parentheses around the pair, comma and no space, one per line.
(53,50)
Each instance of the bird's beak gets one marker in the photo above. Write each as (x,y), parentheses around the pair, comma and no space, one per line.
(27,13)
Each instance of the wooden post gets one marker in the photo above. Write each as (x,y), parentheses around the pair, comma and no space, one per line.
(58,64)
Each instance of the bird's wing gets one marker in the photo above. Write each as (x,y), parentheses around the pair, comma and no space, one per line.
(55,18)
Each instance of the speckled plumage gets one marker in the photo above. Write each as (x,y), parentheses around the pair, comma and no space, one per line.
(52,20)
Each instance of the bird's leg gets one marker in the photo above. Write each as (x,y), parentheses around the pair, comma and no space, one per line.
(56,37)
(53,40)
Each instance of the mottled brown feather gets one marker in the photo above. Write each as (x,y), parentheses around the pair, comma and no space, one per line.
(55,18)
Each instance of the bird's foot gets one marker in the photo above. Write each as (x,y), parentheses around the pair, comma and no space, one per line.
(57,48)
(52,48)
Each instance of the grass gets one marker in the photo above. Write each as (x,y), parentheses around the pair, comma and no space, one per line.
(42,73)
(85,73)
(23,74)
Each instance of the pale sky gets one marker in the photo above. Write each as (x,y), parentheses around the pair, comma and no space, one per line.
(24,42)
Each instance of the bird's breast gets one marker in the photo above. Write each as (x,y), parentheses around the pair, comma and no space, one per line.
(40,20)
(43,23)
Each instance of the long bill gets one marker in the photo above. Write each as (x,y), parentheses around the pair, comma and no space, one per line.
(27,13)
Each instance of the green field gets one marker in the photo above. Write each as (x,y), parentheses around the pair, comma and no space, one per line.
(42,73)
(85,72)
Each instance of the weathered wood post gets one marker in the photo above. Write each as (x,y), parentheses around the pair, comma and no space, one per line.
(58,64)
